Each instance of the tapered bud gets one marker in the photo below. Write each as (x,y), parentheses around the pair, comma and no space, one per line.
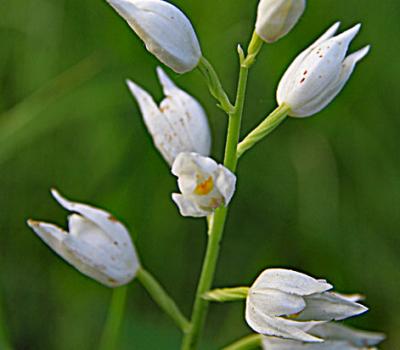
(165,30)
(275,18)
(319,73)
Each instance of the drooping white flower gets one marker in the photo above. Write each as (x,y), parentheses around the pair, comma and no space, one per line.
(319,73)
(288,304)
(336,337)
(165,30)
(204,184)
(96,243)
(178,125)
(275,18)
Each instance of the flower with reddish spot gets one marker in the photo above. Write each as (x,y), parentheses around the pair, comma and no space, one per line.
(204,184)
(96,244)
(319,73)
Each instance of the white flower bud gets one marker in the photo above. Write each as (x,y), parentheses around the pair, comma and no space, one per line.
(165,30)
(319,73)
(178,125)
(204,184)
(96,243)
(275,18)
(288,304)
(336,337)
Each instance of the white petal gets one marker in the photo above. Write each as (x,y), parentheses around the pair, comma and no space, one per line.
(186,116)
(96,261)
(88,231)
(193,163)
(226,183)
(287,81)
(51,234)
(276,326)
(359,338)
(164,137)
(276,303)
(165,30)
(291,282)
(189,207)
(107,222)
(317,71)
(330,306)
(345,38)
(316,105)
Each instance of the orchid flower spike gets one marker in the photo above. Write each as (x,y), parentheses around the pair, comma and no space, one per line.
(178,125)
(319,73)
(96,244)
(336,337)
(288,304)
(204,184)
(164,29)
(276,18)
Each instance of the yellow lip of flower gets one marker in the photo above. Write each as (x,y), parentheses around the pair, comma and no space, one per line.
(205,187)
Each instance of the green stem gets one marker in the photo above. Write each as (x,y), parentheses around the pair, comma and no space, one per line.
(250,342)
(263,129)
(163,300)
(191,339)
(109,339)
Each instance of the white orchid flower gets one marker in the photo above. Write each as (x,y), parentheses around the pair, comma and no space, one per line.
(275,18)
(336,337)
(319,73)
(288,304)
(165,30)
(178,125)
(204,184)
(96,244)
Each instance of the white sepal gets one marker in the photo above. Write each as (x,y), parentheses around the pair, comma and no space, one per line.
(178,125)
(319,73)
(275,18)
(97,244)
(204,184)
(165,30)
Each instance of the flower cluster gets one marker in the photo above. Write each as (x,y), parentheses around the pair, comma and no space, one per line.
(291,310)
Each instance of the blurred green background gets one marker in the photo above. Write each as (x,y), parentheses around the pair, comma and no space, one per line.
(321,195)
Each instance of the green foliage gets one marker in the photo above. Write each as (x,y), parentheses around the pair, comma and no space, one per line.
(320,195)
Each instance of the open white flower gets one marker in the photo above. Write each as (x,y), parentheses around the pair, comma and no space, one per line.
(96,243)
(165,30)
(336,337)
(204,184)
(275,18)
(178,125)
(288,304)
(319,73)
